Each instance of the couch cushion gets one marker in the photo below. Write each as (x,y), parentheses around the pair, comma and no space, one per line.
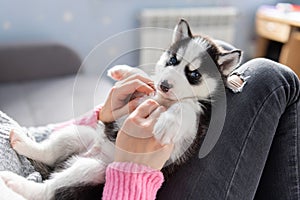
(36,61)
(40,102)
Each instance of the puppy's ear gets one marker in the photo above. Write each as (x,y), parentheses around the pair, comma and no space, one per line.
(181,31)
(228,61)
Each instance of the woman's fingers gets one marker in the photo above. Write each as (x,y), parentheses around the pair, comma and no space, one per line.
(135,85)
(126,109)
(123,99)
(156,113)
(143,118)
(146,108)
(136,77)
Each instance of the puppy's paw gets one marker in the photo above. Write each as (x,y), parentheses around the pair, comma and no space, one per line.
(12,180)
(20,185)
(7,193)
(166,128)
(120,72)
(20,142)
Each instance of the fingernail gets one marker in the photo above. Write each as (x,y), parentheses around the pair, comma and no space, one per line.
(162,108)
(152,93)
(150,101)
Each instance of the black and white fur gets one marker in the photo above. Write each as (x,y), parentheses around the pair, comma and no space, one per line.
(184,77)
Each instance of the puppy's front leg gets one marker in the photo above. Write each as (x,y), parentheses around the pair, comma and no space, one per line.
(177,125)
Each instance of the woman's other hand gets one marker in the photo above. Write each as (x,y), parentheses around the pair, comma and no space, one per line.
(136,142)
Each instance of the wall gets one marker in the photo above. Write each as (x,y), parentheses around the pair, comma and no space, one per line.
(82,24)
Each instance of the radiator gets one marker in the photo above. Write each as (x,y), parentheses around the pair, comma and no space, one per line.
(157,27)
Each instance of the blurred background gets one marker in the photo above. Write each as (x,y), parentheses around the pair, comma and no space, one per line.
(84,26)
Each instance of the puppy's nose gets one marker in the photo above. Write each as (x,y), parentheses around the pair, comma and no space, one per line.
(165,86)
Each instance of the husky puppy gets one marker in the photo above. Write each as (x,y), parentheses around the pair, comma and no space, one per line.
(185,79)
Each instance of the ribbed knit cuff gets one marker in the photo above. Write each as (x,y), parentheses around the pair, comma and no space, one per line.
(131,181)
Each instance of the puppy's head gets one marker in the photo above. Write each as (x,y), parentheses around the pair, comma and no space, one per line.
(189,68)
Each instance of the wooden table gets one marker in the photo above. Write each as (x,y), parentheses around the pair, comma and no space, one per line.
(273,24)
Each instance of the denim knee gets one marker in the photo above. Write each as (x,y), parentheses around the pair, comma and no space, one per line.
(265,75)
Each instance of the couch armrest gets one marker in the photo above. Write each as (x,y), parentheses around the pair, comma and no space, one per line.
(36,61)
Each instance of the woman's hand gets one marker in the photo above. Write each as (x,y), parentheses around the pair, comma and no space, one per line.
(123,97)
(135,141)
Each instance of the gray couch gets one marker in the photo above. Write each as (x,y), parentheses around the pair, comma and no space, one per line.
(42,83)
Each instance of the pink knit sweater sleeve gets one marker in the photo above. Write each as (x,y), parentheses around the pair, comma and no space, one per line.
(131,181)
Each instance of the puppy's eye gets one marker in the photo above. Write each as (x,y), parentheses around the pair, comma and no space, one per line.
(173,61)
(193,76)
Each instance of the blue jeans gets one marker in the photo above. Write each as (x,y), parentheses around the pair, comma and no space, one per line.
(258,153)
